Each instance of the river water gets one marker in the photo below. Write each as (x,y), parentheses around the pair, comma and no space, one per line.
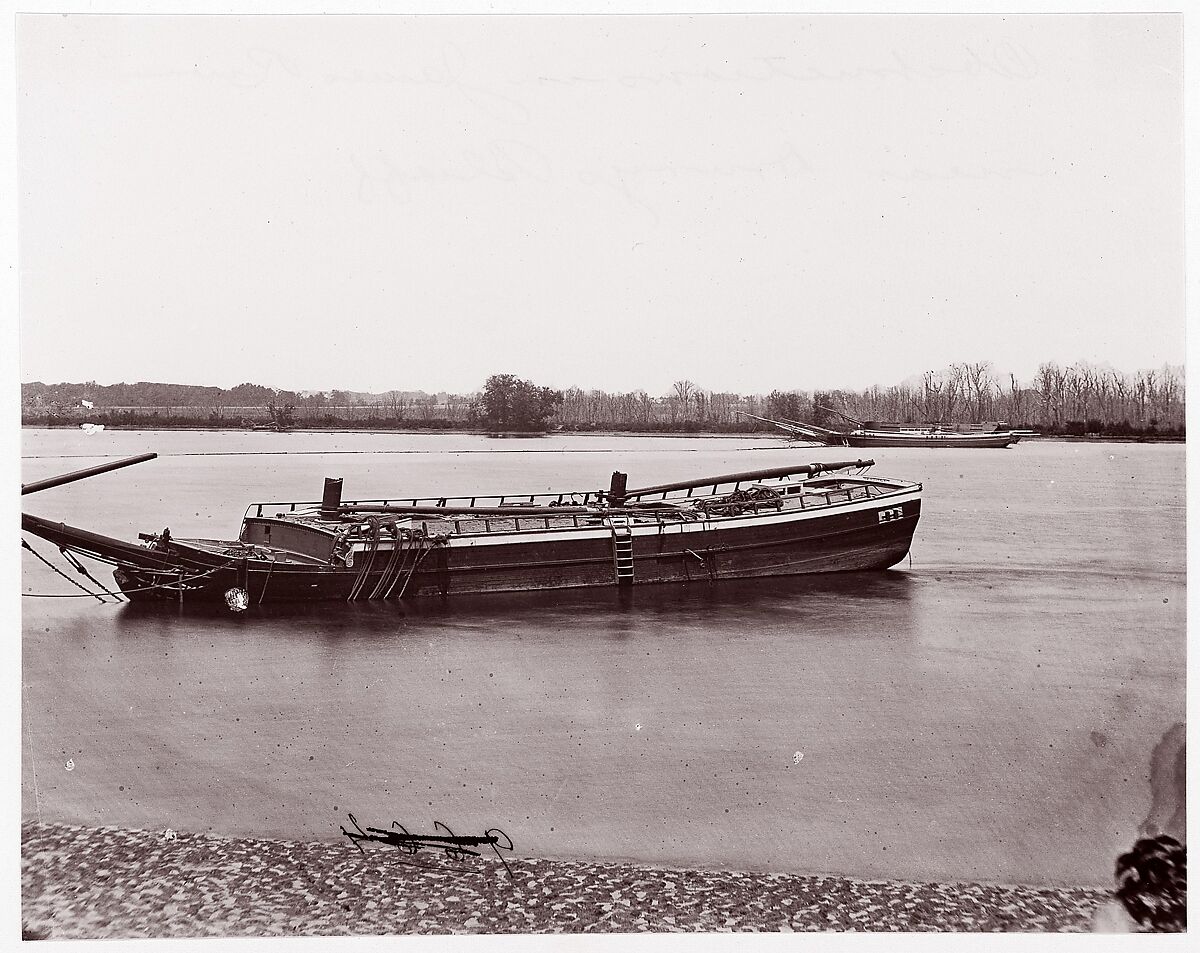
(985,712)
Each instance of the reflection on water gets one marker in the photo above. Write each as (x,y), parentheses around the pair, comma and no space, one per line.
(686,603)
(983,713)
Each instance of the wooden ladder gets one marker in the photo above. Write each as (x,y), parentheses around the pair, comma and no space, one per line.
(622,549)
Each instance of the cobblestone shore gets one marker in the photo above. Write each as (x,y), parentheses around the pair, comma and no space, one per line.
(80,882)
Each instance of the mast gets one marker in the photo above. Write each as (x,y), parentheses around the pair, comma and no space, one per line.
(812,469)
(38,485)
(853,420)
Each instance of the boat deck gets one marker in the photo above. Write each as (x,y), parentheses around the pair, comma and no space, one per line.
(234,549)
(772,497)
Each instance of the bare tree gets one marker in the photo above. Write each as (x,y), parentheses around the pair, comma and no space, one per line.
(956,387)
(680,399)
(1144,388)
(1121,394)
(977,383)
(1016,400)
(1049,386)
(931,396)
(1168,408)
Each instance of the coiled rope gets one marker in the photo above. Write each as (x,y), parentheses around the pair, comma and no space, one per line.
(397,549)
(413,550)
(372,523)
(425,550)
(407,554)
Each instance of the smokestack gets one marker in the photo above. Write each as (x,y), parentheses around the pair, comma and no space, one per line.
(616,489)
(331,499)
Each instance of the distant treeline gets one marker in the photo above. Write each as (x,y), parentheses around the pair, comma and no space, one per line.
(1074,400)
(1077,399)
(162,396)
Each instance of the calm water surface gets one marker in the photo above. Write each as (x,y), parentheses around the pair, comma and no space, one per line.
(985,712)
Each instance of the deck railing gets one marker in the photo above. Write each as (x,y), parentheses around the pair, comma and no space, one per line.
(810,498)
(579,498)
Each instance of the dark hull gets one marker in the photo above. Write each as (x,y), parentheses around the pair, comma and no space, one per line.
(841,539)
(931,440)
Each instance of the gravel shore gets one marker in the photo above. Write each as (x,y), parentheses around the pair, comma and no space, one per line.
(81,882)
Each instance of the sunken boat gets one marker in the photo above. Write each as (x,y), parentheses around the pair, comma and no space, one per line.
(790,520)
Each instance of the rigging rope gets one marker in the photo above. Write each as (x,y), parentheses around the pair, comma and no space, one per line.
(373,523)
(397,548)
(428,548)
(70,595)
(73,582)
(80,567)
(270,569)
(414,550)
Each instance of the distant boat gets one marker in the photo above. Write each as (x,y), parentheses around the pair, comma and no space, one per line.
(789,520)
(876,434)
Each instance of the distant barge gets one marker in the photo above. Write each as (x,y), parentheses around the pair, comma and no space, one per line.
(811,518)
(876,434)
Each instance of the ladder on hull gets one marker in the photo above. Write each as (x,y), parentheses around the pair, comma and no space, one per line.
(622,549)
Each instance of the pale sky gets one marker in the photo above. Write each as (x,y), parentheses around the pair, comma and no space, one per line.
(749,202)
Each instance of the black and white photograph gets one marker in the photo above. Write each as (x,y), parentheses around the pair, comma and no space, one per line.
(508,472)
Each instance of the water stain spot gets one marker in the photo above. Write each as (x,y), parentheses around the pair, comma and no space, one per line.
(1099,738)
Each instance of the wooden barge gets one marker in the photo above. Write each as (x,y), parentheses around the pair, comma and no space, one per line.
(876,434)
(811,518)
